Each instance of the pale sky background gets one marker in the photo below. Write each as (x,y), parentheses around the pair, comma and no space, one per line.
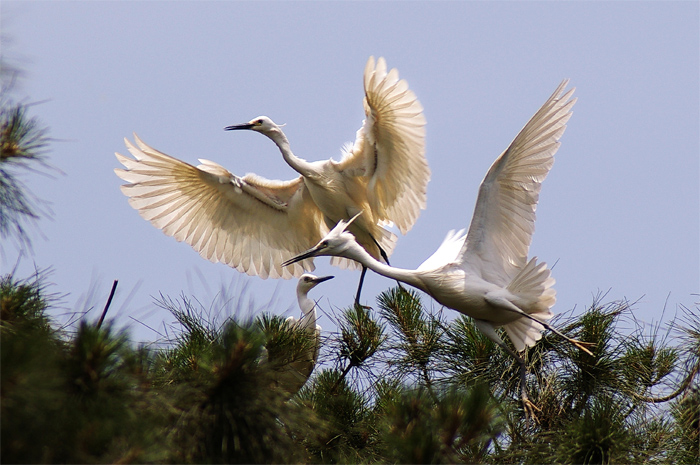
(619,212)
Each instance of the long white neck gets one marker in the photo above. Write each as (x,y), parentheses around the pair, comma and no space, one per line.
(299,165)
(410,277)
(308,311)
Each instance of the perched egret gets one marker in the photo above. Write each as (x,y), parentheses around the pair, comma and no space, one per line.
(485,274)
(294,375)
(254,224)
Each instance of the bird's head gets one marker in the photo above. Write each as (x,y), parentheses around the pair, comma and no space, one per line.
(261,124)
(307,281)
(337,243)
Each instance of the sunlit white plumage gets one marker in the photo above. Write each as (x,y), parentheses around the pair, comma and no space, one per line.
(254,224)
(486,274)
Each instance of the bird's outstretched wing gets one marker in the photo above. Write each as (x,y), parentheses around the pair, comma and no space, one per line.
(389,149)
(446,253)
(504,217)
(249,223)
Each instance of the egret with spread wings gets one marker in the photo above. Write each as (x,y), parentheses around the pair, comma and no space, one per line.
(254,224)
(486,274)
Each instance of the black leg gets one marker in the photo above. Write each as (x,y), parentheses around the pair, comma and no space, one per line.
(527,404)
(359,288)
(507,305)
(381,251)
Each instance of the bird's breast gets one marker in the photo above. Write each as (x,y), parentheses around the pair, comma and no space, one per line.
(336,200)
(466,293)
(341,198)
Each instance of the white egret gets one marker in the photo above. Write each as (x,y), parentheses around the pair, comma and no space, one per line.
(254,224)
(295,374)
(485,274)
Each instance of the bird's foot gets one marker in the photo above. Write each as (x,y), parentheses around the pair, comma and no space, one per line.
(358,304)
(530,409)
(584,346)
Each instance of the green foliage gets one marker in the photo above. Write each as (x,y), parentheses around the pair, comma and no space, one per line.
(457,427)
(686,440)
(598,435)
(67,399)
(223,392)
(409,386)
(416,338)
(284,343)
(685,410)
(361,336)
(23,143)
(347,433)
(30,377)
(22,305)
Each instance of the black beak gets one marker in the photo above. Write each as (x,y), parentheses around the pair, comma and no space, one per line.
(308,254)
(239,126)
(323,278)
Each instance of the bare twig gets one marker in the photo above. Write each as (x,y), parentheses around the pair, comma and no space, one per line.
(109,301)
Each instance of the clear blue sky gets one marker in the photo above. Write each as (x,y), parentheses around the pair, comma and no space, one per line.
(619,212)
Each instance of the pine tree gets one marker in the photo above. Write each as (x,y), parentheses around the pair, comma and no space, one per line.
(405,384)
(23,144)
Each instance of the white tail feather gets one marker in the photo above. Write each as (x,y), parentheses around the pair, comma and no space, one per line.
(533,288)
(524,332)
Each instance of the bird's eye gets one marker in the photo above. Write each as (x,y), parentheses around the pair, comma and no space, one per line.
(324,244)
(259,122)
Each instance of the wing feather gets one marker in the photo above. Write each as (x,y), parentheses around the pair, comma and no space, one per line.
(389,149)
(446,253)
(504,217)
(249,223)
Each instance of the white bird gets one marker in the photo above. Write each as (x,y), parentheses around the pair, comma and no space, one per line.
(486,274)
(254,224)
(295,374)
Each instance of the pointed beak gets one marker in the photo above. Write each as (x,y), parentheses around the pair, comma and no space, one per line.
(323,278)
(308,254)
(239,126)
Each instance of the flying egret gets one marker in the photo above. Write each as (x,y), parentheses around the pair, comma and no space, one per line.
(485,274)
(295,374)
(254,224)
